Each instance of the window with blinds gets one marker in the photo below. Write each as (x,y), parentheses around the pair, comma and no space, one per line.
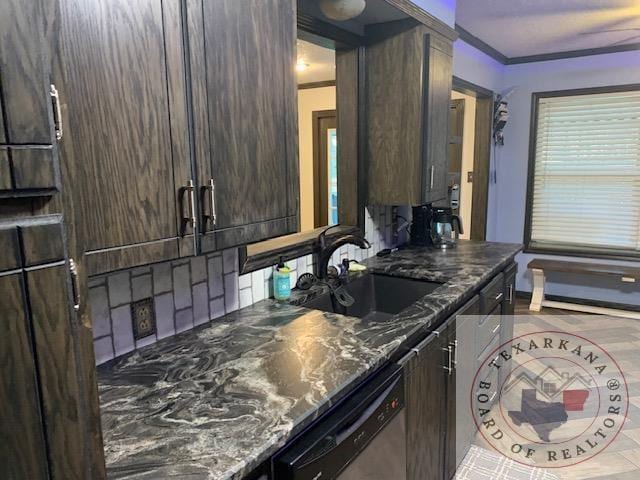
(585,190)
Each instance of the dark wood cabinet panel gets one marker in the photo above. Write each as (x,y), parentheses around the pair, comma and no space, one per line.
(425,406)
(394,105)
(465,357)
(508,312)
(436,125)
(28,171)
(34,168)
(40,363)
(25,91)
(247,58)
(5,170)
(53,338)
(409,70)
(125,151)
(22,446)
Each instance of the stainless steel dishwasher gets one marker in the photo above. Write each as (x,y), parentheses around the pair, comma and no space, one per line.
(362,439)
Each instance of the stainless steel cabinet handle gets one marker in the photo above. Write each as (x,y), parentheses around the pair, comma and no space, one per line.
(57,113)
(449,367)
(212,192)
(191,200)
(454,345)
(433,169)
(510,294)
(499,296)
(75,284)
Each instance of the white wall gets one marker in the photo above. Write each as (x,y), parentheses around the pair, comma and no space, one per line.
(477,67)
(512,160)
(444,10)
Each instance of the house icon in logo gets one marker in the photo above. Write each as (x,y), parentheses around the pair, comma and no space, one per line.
(558,396)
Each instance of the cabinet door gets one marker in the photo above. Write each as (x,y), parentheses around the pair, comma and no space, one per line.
(508,312)
(436,127)
(125,150)
(25,90)
(465,358)
(40,382)
(28,159)
(426,396)
(22,444)
(244,107)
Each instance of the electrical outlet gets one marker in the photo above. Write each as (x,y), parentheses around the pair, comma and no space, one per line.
(144,318)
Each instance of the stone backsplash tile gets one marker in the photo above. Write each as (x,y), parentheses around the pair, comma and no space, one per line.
(192,292)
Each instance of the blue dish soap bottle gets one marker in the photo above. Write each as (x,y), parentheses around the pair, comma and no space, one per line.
(281,282)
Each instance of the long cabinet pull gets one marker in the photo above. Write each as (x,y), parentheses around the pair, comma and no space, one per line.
(499,296)
(57,113)
(454,345)
(212,192)
(449,366)
(191,201)
(75,284)
(511,294)
(433,169)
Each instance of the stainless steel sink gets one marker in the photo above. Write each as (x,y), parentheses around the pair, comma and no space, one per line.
(377,297)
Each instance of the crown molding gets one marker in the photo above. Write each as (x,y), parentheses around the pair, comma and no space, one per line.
(484,47)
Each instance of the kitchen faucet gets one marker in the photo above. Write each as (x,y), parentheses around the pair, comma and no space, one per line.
(325,250)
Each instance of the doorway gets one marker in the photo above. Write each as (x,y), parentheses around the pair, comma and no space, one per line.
(325,165)
(470,155)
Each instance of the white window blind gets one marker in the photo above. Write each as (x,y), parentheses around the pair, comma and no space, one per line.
(586,185)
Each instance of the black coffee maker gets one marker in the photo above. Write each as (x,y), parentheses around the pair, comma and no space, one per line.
(435,226)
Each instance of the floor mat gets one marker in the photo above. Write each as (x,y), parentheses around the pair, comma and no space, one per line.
(481,464)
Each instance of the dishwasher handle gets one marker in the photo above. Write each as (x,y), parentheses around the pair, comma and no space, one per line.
(346,432)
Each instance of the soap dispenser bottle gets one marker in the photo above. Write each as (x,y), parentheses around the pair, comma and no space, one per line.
(281,282)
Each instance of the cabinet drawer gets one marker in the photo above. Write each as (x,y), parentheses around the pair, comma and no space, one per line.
(492,294)
(511,270)
(488,328)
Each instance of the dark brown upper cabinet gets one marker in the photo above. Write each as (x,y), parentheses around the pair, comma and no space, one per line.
(29,120)
(409,76)
(125,154)
(243,89)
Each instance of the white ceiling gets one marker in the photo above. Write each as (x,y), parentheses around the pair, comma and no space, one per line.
(321,61)
(528,27)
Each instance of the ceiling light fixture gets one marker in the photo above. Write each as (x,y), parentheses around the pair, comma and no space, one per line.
(342,9)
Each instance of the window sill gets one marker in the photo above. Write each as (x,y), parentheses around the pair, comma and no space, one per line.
(257,256)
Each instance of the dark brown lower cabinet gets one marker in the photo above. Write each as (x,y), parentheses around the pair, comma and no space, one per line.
(508,312)
(426,389)
(43,424)
(439,380)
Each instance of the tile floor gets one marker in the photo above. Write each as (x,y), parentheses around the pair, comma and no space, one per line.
(621,337)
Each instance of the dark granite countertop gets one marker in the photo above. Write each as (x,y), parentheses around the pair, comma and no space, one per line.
(216,402)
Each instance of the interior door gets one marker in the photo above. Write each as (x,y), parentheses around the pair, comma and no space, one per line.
(28,157)
(242,63)
(120,72)
(325,174)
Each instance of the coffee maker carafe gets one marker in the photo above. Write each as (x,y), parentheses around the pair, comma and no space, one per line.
(445,227)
